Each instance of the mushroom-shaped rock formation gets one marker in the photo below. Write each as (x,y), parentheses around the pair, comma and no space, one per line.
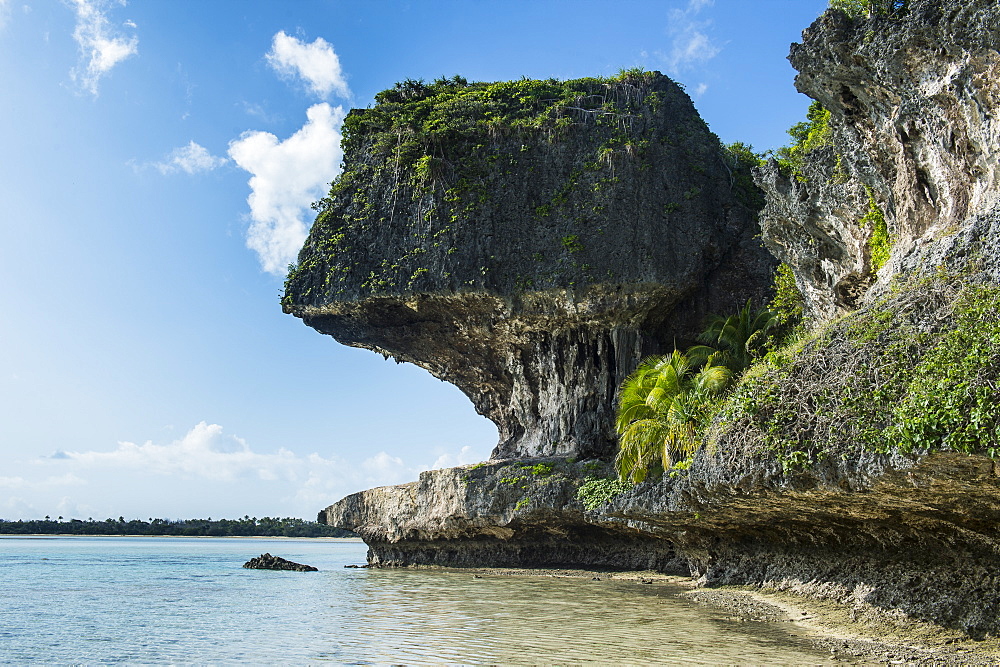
(530,241)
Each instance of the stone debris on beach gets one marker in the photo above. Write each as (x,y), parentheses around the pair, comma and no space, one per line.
(269,562)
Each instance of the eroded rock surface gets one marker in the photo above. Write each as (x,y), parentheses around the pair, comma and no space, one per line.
(913,101)
(534,250)
(521,513)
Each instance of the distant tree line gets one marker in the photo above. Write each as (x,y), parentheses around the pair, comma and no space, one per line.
(246,527)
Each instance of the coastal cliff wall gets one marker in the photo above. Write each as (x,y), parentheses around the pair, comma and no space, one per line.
(530,242)
(913,100)
(858,463)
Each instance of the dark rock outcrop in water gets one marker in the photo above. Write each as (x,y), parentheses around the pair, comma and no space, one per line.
(533,259)
(856,466)
(269,562)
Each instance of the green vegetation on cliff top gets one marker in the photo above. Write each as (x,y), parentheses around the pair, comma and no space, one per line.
(440,147)
(429,159)
(421,128)
(870,8)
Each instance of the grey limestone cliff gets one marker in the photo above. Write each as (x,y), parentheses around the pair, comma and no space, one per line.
(913,101)
(530,242)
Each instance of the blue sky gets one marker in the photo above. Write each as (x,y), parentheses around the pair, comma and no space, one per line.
(158,162)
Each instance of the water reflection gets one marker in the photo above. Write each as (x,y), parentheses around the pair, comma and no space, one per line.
(170,600)
(416,616)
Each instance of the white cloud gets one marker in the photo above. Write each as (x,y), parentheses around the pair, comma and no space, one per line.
(465,456)
(316,63)
(689,43)
(12,482)
(101,47)
(286,177)
(192,159)
(700,89)
(205,472)
(205,451)
(383,464)
(67,479)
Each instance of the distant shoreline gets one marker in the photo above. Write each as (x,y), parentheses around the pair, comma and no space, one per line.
(245,527)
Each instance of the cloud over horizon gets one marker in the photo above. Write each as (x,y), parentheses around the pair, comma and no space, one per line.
(205,465)
(315,63)
(101,46)
(286,178)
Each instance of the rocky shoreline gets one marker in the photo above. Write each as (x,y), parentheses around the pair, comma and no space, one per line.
(913,541)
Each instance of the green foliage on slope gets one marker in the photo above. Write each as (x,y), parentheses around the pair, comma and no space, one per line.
(787,302)
(809,135)
(598,491)
(916,372)
(869,8)
(661,406)
(879,242)
(664,406)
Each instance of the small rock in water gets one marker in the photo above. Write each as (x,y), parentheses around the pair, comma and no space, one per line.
(269,562)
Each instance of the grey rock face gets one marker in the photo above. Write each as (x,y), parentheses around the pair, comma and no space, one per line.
(812,225)
(533,268)
(913,102)
(501,514)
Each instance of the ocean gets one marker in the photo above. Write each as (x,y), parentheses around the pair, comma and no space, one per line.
(160,600)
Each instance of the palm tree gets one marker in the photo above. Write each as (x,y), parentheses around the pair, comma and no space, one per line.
(660,406)
(737,340)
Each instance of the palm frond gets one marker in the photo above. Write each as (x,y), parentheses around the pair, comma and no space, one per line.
(641,442)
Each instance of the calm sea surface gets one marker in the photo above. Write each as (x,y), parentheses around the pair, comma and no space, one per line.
(180,600)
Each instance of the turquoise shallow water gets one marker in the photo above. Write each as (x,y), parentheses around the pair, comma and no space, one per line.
(188,600)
